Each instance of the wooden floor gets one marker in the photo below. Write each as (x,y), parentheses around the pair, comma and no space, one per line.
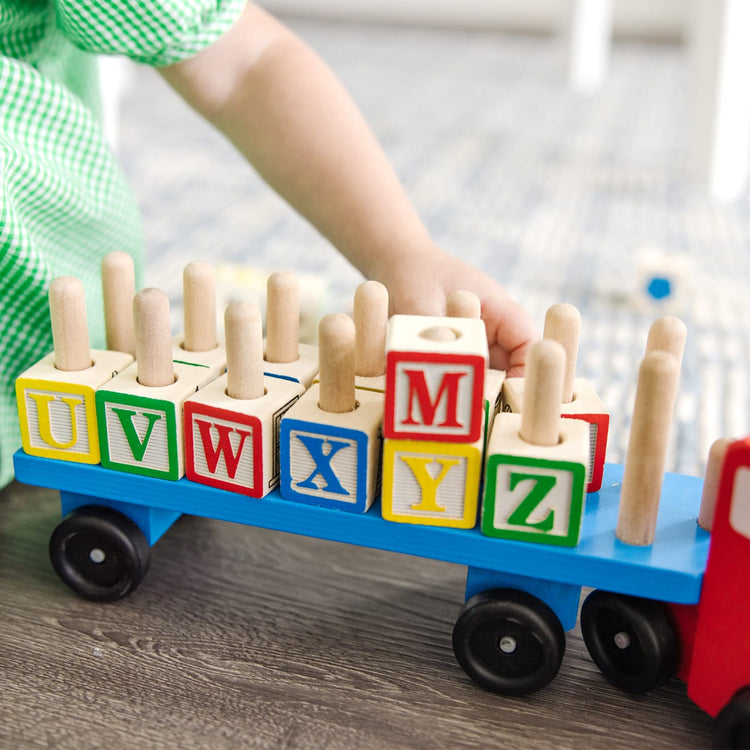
(244,638)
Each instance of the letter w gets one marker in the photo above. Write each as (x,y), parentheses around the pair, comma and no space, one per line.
(223,447)
(419,392)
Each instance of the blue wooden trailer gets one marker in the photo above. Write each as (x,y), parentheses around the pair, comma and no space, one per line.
(520,597)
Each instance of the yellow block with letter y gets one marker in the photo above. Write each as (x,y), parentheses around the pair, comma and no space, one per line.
(431,483)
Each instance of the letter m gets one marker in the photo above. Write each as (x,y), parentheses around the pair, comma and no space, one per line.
(419,396)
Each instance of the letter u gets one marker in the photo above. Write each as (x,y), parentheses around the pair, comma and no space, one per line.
(43,401)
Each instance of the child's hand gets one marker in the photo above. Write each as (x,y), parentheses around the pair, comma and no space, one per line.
(419,284)
(290,117)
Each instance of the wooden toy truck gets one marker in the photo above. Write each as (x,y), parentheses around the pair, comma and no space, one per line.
(675,605)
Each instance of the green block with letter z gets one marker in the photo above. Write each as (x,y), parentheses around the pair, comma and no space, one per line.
(533,500)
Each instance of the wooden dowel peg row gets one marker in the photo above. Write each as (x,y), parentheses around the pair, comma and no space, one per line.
(562,323)
(336,336)
(463,304)
(199,303)
(70,334)
(282,317)
(371,327)
(243,328)
(647,448)
(540,415)
(118,290)
(153,339)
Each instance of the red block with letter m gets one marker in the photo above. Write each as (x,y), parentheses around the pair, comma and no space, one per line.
(435,370)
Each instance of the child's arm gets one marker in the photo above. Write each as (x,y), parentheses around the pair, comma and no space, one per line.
(290,117)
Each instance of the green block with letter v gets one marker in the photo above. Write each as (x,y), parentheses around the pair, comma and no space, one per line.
(533,500)
(138,435)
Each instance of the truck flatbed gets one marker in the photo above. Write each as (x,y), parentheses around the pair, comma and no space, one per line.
(670,570)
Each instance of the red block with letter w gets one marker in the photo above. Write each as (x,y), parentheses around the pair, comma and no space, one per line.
(435,382)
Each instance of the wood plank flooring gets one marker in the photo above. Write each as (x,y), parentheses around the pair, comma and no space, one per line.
(244,638)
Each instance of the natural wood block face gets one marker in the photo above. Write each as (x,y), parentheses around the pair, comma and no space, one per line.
(435,382)
(141,427)
(57,409)
(431,483)
(233,444)
(213,361)
(586,406)
(332,459)
(370,383)
(493,397)
(361,382)
(302,370)
(535,493)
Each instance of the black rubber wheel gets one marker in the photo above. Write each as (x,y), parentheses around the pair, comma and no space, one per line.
(732,727)
(630,639)
(509,641)
(99,553)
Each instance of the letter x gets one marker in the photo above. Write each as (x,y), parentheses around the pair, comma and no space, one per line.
(315,447)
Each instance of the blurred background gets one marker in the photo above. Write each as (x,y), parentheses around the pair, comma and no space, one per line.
(583,151)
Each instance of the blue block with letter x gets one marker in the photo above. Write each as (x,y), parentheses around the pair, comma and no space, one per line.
(332,465)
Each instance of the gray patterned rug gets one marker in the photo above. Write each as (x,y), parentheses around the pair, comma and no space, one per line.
(554,195)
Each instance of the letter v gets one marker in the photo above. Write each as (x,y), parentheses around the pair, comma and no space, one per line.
(137,446)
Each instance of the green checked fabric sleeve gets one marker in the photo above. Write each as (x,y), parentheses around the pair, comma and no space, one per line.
(64,202)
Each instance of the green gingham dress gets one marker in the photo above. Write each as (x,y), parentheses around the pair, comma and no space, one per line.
(64,202)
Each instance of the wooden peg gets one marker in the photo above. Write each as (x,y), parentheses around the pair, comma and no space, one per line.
(716,455)
(199,302)
(243,328)
(647,448)
(438,333)
(118,290)
(463,304)
(336,336)
(153,342)
(667,334)
(70,334)
(540,416)
(371,326)
(562,323)
(282,317)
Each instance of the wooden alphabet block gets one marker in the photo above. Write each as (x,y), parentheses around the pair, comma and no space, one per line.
(493,399)
(362,383)
(199,344)
(141,427)
(431,483)
(586,406)
(371,327)
(211,363)
(57,409)
(332,459)
(285,356)
(302,370)
(435,374)
(374,383)
(233,443)
(535,493)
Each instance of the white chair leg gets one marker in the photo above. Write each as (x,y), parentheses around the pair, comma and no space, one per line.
(720,86)
(589,30)
(114,76)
